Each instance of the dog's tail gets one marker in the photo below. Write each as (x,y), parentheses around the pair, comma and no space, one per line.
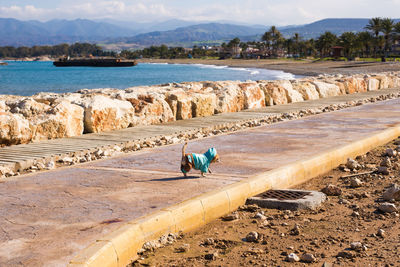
(183,149)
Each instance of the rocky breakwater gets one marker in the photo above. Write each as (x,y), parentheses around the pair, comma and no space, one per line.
(48,115)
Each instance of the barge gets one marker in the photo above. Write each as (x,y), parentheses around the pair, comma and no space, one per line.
(94,62)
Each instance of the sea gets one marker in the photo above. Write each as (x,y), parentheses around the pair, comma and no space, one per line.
(29,78)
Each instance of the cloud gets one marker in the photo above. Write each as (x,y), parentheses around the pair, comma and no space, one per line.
(267,12)
(141,10)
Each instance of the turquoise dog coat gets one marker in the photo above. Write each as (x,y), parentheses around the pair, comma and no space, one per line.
(202,161)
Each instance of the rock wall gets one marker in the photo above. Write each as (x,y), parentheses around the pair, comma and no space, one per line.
(48,115)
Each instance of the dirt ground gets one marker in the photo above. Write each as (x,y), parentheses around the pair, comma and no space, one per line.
(298,67)
(326,233)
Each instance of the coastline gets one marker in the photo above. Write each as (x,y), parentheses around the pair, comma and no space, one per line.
(296,67)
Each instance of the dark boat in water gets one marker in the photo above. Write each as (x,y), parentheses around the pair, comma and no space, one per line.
(94,62)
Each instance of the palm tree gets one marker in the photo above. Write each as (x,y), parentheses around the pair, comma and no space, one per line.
(348,40)
(366,40)
(375,25)
(325,42)
(396,28)
(296,39)
(387,30)
(267,38)
(273,39)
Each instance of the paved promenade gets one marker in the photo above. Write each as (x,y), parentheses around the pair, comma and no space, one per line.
(48,217)
(22,156)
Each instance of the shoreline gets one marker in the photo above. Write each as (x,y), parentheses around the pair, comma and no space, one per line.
(296,67)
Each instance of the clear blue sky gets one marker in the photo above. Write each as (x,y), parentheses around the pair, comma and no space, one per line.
(267,12)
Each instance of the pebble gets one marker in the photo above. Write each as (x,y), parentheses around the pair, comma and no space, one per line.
(332,190)
(386,162)
(50,165)
(356,246)
(383,170)
(393,192)
(308,257)
(231,217)
(352,164)
(183,248)
(355,182)
(387,207)
(292,257)
(211,256)
(252,237)
(251,207)
(260,216)
(355,214)
(295,230)
(390,152)
(381,233)
(346,254)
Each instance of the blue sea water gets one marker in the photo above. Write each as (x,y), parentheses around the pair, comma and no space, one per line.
(28,78)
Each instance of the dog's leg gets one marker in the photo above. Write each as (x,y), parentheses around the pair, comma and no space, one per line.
(209,170)
(185,175)
(203,174)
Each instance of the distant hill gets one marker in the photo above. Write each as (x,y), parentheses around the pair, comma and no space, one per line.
(145,27)
(122,35)
(210,33)
(216,33)
(336,26)
(28,33)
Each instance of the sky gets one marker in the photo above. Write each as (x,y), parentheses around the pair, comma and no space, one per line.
(264,12)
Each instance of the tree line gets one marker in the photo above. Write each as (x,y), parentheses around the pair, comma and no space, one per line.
(74,50)
(376,41)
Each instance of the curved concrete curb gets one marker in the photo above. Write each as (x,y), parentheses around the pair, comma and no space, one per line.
(120,247)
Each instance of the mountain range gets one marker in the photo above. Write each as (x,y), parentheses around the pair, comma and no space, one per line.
(15,32)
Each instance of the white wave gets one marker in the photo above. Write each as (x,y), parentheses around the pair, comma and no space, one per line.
(203,66)
(156,63)
(254,72)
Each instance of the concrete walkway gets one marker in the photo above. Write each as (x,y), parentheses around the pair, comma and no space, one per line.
(47,218)
(22,156)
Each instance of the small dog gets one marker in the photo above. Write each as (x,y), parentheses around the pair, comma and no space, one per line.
(198,161)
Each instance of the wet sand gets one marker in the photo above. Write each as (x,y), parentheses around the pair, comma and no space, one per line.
(298,67)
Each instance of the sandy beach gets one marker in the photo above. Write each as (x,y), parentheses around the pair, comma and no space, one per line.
(298,67)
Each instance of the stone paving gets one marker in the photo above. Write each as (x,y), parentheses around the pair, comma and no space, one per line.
(48,217)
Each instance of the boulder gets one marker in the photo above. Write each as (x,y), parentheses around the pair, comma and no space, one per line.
(275,93)
(180,104)
(372,84)
(354,85)
(14,129)
(396,81)
(62,120)
(253,95)
(326,89)
(291,94)
(151,109)
(3,106)
(28,107)
(105,114)
(306,89)
(230,97)
(203,104)
(384,82)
